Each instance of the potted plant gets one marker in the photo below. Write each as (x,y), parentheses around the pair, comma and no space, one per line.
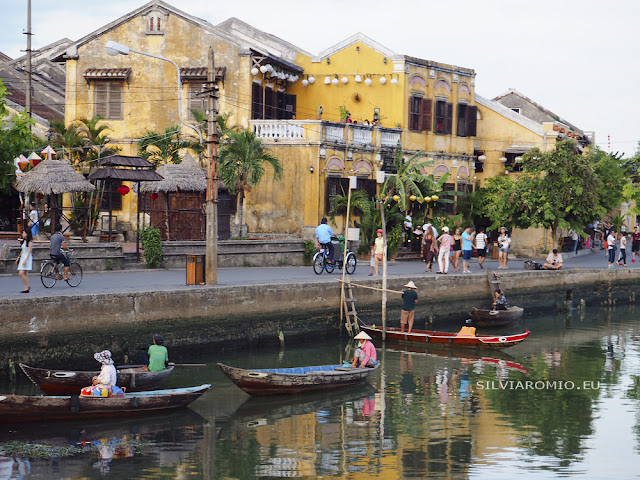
(344,113)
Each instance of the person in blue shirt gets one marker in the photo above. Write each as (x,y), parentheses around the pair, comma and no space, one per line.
(467,246)
(323,235)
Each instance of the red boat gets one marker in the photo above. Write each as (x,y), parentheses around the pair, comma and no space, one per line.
(447,338)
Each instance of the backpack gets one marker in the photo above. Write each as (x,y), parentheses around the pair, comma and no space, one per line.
(531,265)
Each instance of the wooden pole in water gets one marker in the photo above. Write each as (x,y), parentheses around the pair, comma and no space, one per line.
(384,272)
(344,259)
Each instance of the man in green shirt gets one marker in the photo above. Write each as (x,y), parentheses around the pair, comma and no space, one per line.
(158,354)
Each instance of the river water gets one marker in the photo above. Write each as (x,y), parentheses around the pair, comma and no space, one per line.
(564,403)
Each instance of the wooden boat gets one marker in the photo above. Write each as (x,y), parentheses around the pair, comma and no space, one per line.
(275,381)
(447,338)
(70,382)
(21,408)
(496,318)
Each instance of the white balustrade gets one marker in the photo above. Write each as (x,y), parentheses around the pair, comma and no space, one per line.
(362,134)
(334,133)
(389,139)
(272,129)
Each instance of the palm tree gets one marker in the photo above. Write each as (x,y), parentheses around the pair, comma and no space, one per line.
(164,147)
(93,132)
(68,140)
(360,201)
(241,166)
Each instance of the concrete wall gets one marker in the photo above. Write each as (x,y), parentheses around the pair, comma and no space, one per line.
(73,326)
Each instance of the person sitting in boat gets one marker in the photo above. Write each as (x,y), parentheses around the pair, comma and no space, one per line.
(158,355)
(108,375)
(467,330)
(500,302)
(554,261)
(365,355)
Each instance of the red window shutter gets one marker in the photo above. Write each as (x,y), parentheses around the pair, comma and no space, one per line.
(472,117)
(151,24)
(448,118)
(159,25)
(101,97)
(427,115)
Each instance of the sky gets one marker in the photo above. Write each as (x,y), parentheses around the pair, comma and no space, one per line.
(578,59)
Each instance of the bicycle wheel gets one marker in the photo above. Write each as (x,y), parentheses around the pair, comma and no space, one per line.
(48,274)
(351,262)
(318,263)
(75,275)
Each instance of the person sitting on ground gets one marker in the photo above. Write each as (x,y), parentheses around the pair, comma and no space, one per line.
(323,236)
(500,301)
(108,375)
(365,355)
(55,249)
(158,355)
(554,261)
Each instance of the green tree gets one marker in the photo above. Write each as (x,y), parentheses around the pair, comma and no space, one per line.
(67,141)
(613,177)
(93,131)
(360,202)
(15,138)
(163,147)
(241,166)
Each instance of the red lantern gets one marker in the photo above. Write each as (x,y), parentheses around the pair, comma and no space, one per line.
(123,190)
(39,196)
(154,196)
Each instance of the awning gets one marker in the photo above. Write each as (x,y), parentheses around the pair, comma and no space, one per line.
(107,74)
(200,73)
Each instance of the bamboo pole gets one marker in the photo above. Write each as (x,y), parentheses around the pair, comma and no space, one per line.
(369,288)
(384,272)
(344,259)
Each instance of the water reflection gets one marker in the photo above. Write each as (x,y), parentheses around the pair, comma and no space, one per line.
(565,402)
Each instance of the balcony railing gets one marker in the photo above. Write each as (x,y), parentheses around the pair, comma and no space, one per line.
(389,138)
(272,129)
(363,135)
(334,133)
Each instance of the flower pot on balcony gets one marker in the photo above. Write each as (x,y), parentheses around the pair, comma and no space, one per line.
(556,127)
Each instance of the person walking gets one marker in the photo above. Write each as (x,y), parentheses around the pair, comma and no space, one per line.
(429,246)
(611,248)
(457,249)
(379,250)
(445,248)
(622,260)
(504,243)
(635,244)
(409,298)
(25,260)
(574,241)
(481,245)
(467,248)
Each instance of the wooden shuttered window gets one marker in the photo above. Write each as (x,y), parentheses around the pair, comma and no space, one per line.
(466,122)
(427,108)
(109,100)
(195,100)
(448,121)
(472,121)
(420,114)
(335,186)
(444,117)
(257,102)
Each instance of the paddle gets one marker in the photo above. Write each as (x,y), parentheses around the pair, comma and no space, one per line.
(187,364)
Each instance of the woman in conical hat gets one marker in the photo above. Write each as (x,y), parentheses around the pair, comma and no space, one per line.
(365,355)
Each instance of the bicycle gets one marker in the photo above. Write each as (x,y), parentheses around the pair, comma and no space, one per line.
(321,262)
(50,272)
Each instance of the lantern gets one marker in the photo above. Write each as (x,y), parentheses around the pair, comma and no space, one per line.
(412,198)
(434,198)
(123,190)
(39,196)
(428,199)
(396,198)
(154,196)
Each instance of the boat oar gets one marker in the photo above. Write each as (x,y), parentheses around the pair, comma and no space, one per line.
(187,364)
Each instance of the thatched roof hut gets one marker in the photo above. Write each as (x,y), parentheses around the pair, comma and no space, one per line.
(187,176)
(53,177)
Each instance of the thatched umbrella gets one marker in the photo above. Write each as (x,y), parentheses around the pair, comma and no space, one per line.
(53,177)
(187,176)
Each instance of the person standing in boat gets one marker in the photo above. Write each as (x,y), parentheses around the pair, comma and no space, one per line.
(365,355)
(158,355)
(108,375)
(410,298)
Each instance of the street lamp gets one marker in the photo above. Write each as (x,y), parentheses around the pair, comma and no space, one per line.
(114,49)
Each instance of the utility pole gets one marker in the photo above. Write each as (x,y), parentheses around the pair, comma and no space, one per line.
(211,258)
(29,88)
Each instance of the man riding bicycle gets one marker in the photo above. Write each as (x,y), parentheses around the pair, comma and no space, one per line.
(323,235)
(55,252)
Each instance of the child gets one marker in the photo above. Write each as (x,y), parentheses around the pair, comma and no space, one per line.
(158,354)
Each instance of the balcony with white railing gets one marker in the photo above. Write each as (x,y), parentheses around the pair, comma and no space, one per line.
(334,132)
(361,134)
(293,131)
(390,137)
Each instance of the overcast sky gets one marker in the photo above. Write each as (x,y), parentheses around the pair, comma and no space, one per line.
(578,59)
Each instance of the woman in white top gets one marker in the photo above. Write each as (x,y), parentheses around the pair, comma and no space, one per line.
(504,242)
(25,260)
(481,246)
(33,217)
(108,375)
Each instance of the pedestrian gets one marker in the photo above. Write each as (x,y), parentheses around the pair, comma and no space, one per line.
(365,355)
(467,248)
(410,298)
(457,249)
(379,250)
(25,260)
(445,247)
(574,241)
(504,243)
(481,245)
(611,247)
(429,246)
(372,261)
(635,244)
(622,260)
(34,220)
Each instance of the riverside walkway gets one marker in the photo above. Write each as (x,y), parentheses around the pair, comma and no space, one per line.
(148,280)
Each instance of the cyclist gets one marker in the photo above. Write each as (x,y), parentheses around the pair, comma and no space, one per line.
(323,235)
(55,252)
